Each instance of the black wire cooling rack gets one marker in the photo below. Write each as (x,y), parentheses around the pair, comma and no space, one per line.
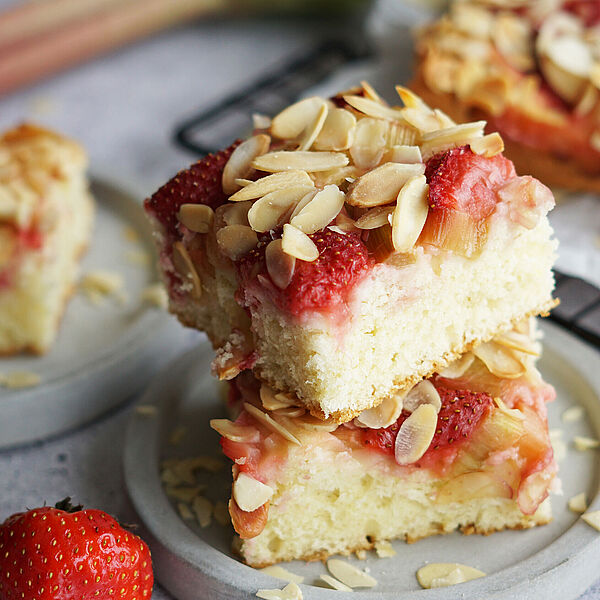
(216,127)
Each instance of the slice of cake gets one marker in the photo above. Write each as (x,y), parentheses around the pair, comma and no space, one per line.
(532,69)
(46,216)
(467,449)
(352,248)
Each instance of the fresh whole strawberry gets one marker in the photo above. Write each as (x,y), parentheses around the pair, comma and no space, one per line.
(66,553)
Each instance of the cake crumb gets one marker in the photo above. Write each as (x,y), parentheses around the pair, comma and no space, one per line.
(146,410)
(99,284)
(583,443)
(573,414)
(281,573)
(592,519)
(335,584)
(20,379)
(221,513)
(578,503)
(384,549)
(361,554)
(156,295)
(290,592)
(203,510)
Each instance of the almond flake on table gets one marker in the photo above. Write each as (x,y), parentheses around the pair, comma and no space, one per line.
(137,257)
(156,295)
(185,512)
(572,414)
(290,592)
(221,513)
(445,574)
(583,443)
(99,284)
(281,573)
(335,583)
(592,519)
(185,494)
(19,379)
(349,574)
(203,510)
(578,503)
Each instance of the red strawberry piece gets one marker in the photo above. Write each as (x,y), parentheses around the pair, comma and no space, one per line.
(459,416)
(466,182)
(200,184)
(52,554)
(320,285)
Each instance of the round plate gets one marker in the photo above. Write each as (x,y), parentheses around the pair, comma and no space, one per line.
(104,353)
(558,560)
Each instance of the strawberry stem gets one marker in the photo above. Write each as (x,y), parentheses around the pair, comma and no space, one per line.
(67,506)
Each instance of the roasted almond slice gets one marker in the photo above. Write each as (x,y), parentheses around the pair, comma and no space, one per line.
(459,367)
(410,213)
(280,265)
(382,415)
(405,154)
(519,342)
(268,212)
(488,145)
(436,575)
(285,160)
(271,423)
(333,583)
(303,202)
(422,119)
(296,243)
(270,183)
(320,211)
(434,142)
(400,134)
(349,574)
(271,400)
(499,360)
(578,503)
(472,20)
(196,217)
(291,122)
(369,142)
(373,109)
(409,98)
(375,217)
(339,176)
(313,424)
(235,241)
(422,393)
(513,37)
(239,165)
(235,432)
(185,267)
(415,435)
(369,92)
(592,519)
(233,213)
(249,493)
(310,133)
(381,185)
(337,132)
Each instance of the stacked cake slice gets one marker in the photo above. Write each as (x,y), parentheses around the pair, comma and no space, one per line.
(366,274)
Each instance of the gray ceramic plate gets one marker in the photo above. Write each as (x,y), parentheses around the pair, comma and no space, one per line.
(559,560)
(104,353)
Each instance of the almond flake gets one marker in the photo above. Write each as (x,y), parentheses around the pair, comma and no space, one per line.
(235,213)
(513,38)
(249,493)
(499,360)
(410,213)
(271,423)
(374,109)
(234,431)
(261,121)
(578,504)
(271,183)
(488,145)
(436,575)
(415,435)
(196,217)
(369,143)
(185,267)
(582,443)
(320,210)
(291,122)
(459,367)
(384,549)
(339,176)
(434,142)
(313,424)
(297,244)
(349,574)
(409,98)
(310,133)
(422,119)
(290,592)
(422,393)
(592,519)
(19,379)
(369,92)
(303,202)
(221,513)
(100,283)
(203,510)
(338,131)
(235,241)
(382,415)
(285,160)
(239,165)
(472,20)
(281,573)
(292,412)
(382,185)
(374,218)
(185,512)
(182,493)
(519,342)
(271,400)
(280,266)
(268,212)
(572,414)
(156,295)
(333,583)
(405,154)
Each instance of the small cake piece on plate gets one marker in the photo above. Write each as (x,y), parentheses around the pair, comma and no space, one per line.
(467,449)
(46,214)
(532,69)
(353,248)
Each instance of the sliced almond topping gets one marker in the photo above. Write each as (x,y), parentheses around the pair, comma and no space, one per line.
(271,400)
(337,132)
(374,109)
(233,213)
(488,145)
(409,98)
(572,414)
(459,367)
(369,143)
(369,92)
(592,519)
(185,267)
(415,435)
(249,493)
(297,244)
(583,443)
(513,38)
(261,121)
(271,423)
(382,415)
(313,424)
(281,573)
(185,512)
(303,202)
(349,574)
(234,431)
(451,137)
(203,509)
(235,241)
(422,119)
(499,360)
(384,549)
(320,211)
(333,583)
(196,217)
(374,218)
(410,213)
(400,134)
(268,212)
(270,183)
(405,154)
(382,185)
(293,160)
(292,412)
(519,342)
(578,503)
(291,122)
(290,592)
(422,393)
(280,265)
(239,165)
(472,20)
(339,176)
(436,575)
(310,133)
